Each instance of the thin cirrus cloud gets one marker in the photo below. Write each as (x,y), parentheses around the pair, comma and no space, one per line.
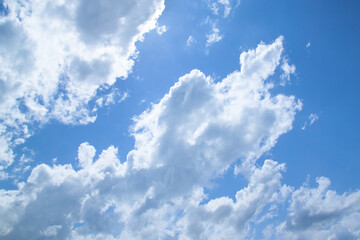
(219,9)
(216,6)
(158,191)
(214,36)
(56,56)
(313,117)
(222,7)
(190,41)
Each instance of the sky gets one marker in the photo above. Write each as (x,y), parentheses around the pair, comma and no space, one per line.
(163,119)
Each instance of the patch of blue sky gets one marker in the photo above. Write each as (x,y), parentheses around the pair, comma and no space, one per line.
(4,11)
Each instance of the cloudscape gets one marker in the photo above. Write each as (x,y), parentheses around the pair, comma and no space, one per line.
(159,119)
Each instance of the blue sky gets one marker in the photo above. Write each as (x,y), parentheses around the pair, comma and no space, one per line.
(207,119)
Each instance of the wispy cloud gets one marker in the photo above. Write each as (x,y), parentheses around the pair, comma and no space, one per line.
(217,5)
(214,36)
(313,117)
(287,71)
(190,41)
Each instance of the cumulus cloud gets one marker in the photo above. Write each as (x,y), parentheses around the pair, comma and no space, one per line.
(320,213)
(225,218)
(86,154)
(55,56)
(191,137)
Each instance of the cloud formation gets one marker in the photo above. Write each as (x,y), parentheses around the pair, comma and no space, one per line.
(226,5)
(57,56)
(313,117)
(191,137)
(214,36)
(190,41)
(161,29)
(216,6)
(287,71)
(320,213)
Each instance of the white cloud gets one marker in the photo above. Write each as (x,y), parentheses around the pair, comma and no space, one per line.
(161,29)
(308,45)
(55,56)
(190,41)
(213,36)
(192,136)
(6,154)
(112,97)
(182,143)
(224,218)
(287,71)
(216,5)
(4,175)
(313,117)
(50,231)
(320,213)
(86,154)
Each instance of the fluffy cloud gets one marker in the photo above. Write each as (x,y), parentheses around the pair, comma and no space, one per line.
(320,213)
(191,137)
(224,218)
(56,56)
